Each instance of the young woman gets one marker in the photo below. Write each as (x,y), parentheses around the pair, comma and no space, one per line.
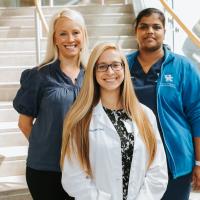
(111,148)
(169,84)
(46,94)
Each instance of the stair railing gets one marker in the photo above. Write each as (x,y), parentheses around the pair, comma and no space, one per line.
(190,34)
(40,23)
(103,2)
(68,2)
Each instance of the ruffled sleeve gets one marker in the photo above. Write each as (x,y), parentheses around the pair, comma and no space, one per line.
(26,100)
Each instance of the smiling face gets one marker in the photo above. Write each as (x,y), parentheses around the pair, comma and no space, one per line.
(110,80)
(68,38)
(150,33)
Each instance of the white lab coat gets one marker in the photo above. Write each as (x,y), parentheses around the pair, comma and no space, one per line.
(106,163)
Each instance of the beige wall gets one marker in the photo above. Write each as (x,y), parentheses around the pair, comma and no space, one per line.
(14,3)
(26,2)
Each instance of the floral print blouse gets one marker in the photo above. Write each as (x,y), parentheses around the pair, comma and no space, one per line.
(118,117)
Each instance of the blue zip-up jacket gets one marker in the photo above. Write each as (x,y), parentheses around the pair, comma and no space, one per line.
(178,107)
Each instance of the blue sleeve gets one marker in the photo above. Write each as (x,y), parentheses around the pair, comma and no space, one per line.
(191,97)
(26,100)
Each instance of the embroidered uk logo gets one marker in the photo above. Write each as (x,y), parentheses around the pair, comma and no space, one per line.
(168,78)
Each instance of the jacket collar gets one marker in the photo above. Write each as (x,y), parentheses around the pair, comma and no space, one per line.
(100,115)
(168,56)
(98,109)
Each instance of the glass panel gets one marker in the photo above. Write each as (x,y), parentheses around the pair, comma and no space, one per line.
(188,11)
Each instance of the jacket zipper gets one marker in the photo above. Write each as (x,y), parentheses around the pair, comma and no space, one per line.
(158,88)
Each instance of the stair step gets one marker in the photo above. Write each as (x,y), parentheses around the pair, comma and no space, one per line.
(11,185)
(13,168)
(13,153)
(18,59)
(90,19)
(8,90)
(12,160)
(8,139)
(8,115)
(5,104)
(18,31)
(9,127)
(106,2)
(98,30)
(95,9)
(11,73)
(14,188)
(21,195)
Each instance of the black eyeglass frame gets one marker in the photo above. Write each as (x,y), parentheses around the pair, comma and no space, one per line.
(109,65)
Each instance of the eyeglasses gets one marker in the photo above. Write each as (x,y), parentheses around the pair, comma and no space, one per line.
(116,66)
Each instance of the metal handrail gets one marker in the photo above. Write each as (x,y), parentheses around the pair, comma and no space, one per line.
(41,15)
(40,22)
(103,2)
(190,34)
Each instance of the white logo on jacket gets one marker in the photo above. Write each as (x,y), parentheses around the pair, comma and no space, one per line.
(168,78)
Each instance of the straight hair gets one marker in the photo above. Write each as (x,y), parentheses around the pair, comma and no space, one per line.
(52,50)
(75,139)
(148,12)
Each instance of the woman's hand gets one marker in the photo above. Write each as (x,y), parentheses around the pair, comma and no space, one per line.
(196,178)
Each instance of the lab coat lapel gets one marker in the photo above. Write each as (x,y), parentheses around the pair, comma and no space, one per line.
(103,118)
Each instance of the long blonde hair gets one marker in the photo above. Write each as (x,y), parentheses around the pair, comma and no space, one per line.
(76,124)
(52,50)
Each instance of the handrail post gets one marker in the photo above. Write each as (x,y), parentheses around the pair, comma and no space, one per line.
(42,18)
(39,23)
(51,3)
(38,37)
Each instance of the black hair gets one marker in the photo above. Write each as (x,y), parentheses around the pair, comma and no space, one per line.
(147,12)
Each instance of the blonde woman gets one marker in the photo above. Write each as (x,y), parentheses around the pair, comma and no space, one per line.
(111,148)
(46,94)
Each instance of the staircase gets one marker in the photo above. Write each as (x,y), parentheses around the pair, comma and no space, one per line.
(111,22)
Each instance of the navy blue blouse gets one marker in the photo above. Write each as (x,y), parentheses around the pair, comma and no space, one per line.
(145,85)
(46,95)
